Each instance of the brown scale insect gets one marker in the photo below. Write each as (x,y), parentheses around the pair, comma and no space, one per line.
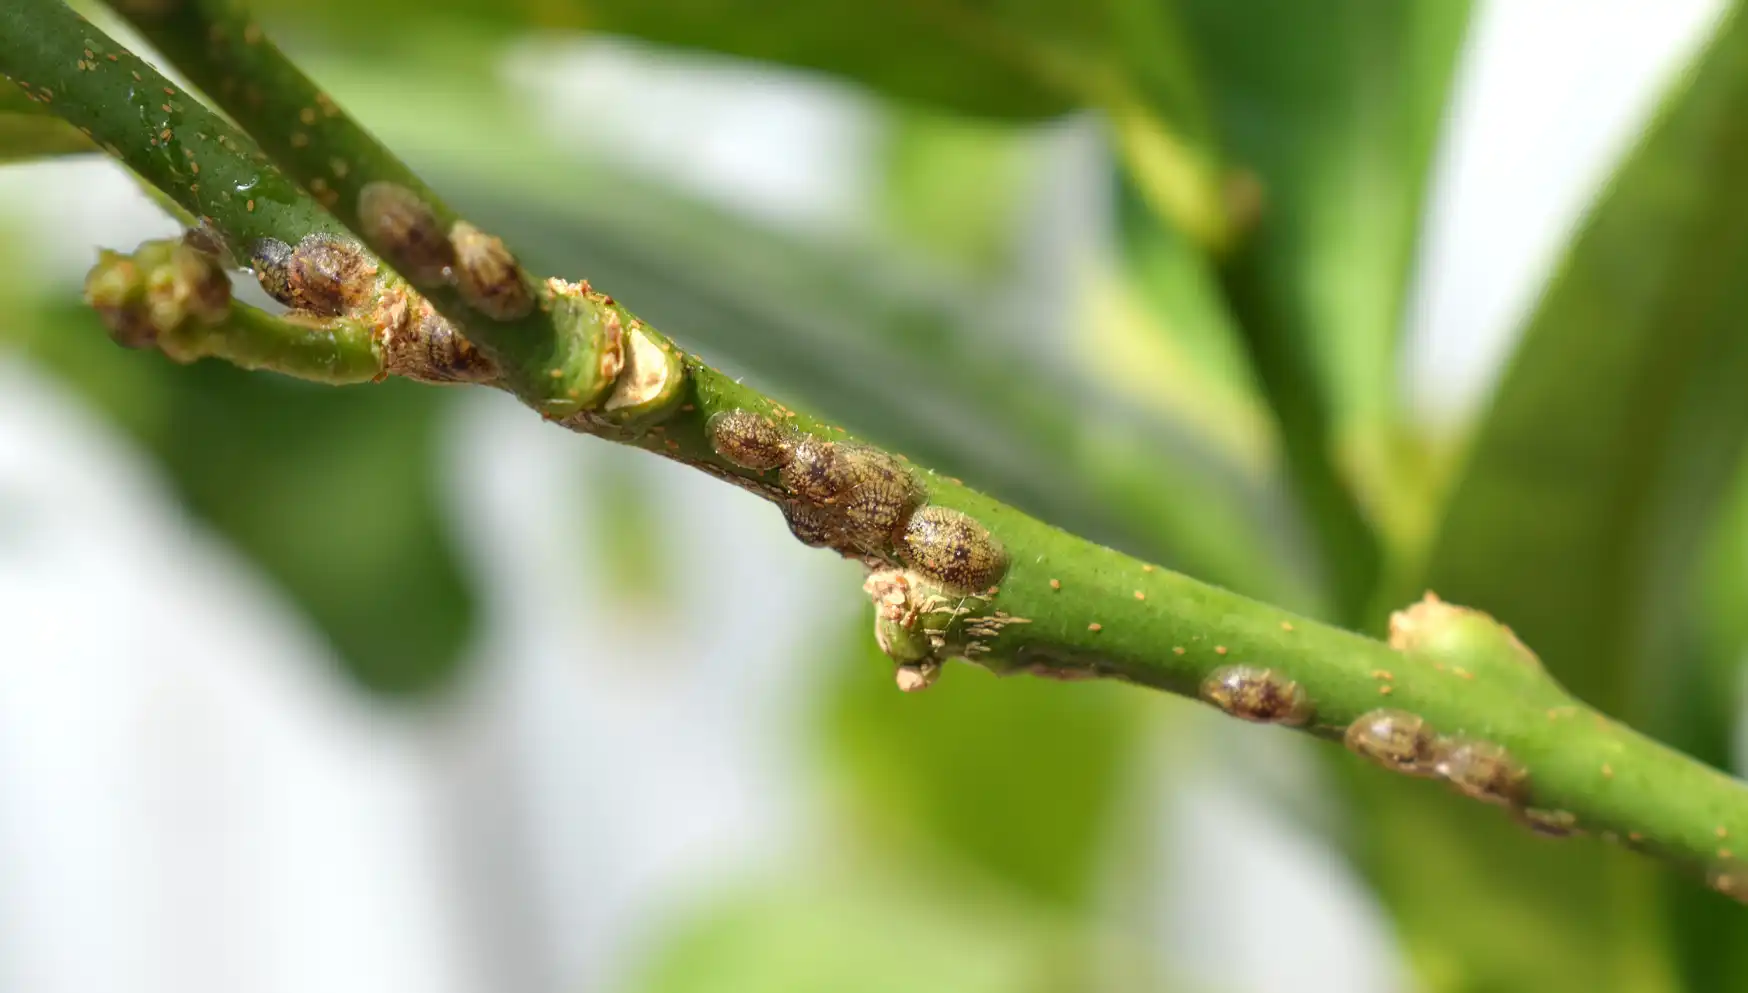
(396,218)
(813,526)
(323,275)
(487,275)
(1253,693)
(1395,739)
(818,471)
(880,498)
(952,549)
(1481,770)
(426,347)
(750,440)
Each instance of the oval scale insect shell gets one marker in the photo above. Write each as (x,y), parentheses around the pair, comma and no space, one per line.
(1253,693)
(813,526)
(817,471)
(749,440)
(1395,739)
(396,218)
(324,275)
(487,276)
(880,498)
(952,549)
(1482,770)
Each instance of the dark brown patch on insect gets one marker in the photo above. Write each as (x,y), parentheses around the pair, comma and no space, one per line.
(406,228)
(487,275)
(816,472)
(813,526)
(953,549)
(1395,739)
(1253,693)
(1482,770)
(749,440)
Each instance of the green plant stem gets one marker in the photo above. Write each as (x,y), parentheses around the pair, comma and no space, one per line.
(335,351)
(223,50)
(175,296)
(1064,607)
(176,144)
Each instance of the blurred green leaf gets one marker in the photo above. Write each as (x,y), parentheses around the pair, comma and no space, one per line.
(333,493)
(1481,905)
(1007,58)
(1019,777)
(1591,482)
(1334,106)
(1020,60)
(950,188)
(846,933)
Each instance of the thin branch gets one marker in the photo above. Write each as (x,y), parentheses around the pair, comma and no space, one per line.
(952,573)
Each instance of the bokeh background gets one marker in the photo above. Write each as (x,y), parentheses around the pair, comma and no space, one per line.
(399,689)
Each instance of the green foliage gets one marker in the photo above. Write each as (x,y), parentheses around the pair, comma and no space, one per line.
(855,935)
(1607,451)
(1048,762)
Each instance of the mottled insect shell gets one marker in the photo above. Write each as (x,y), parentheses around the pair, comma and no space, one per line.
(1481,770)
(815,527)
(271,259)
(952,549)
(407,229)
(1253,693)
(1395,739)
(323,275)
(882,494)
(487,276)
(427,348)
(749,440)
(817,471)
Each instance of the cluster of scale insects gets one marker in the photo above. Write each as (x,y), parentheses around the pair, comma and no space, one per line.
(326,276)
(1395,739)
(863,502)
(868,504)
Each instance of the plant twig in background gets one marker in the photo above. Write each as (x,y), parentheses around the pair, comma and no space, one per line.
(952,573)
